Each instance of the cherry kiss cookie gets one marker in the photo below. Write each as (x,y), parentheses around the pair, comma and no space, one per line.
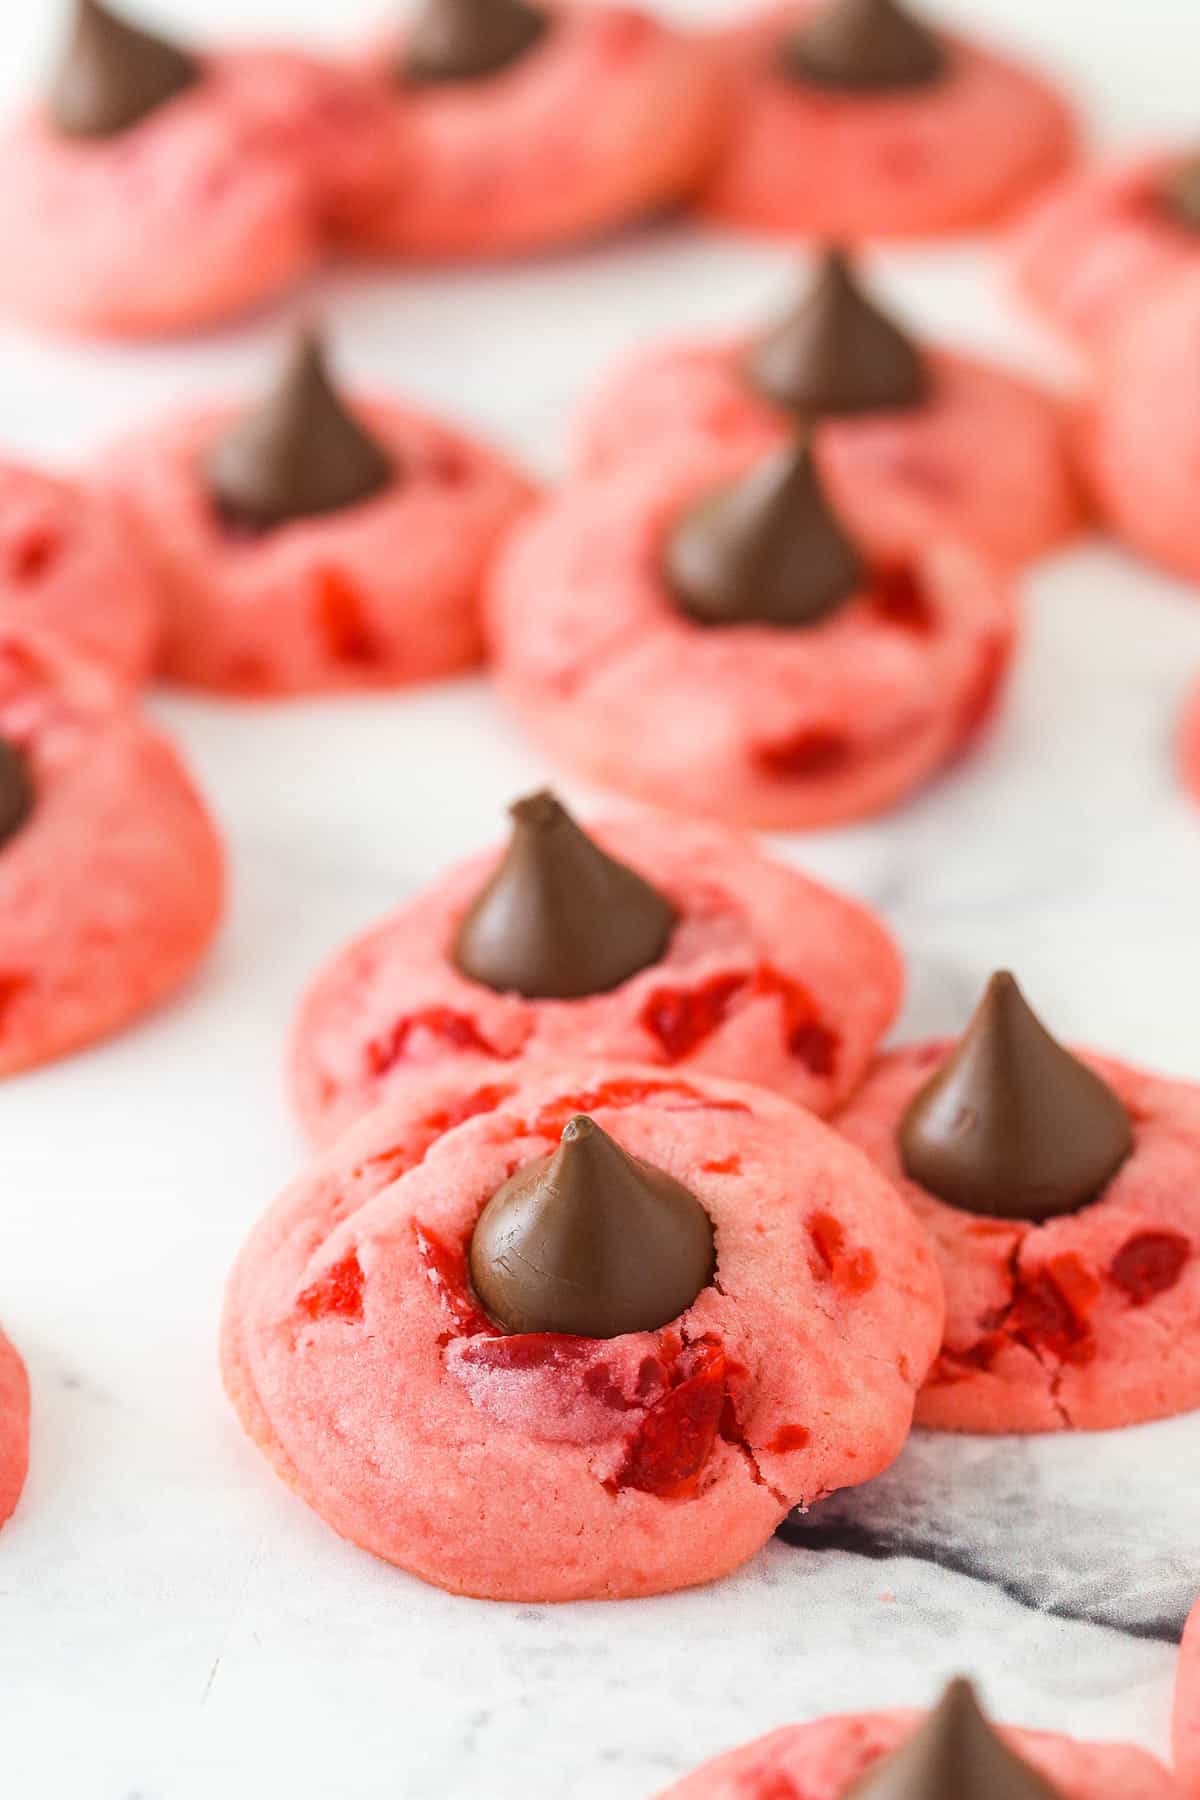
(526,125)
(1185,1723)
(306,545)
(155,190)
(703,634)
(14,1427)
(1104,239)
(853,119)
(922,441)
(71,564)
(110,870)
(952,1753)
(650,939)
(1142,444)
(1061,1194)
(579,1333)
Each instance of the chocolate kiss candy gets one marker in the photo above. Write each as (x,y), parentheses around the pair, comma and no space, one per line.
(559,919)
(954,1755)
(298,454)
(1012,1125)
(591,1242)
(837,353)
(113,75)
(874,45)
(766,551)
(460,40)
(1180,193)
(16,791)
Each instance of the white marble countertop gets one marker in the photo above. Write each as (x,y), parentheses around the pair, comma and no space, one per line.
(173,1625)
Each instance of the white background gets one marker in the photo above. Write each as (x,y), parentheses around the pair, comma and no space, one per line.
(173,1625)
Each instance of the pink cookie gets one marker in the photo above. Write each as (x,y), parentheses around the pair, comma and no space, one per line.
(983,459)
(608,116)
(545,1467)
(1189,745)
(767,977)
(213,202)
(14,1427)
(1142,448)
(748,723)
(1100,243)
(823,1761)
(950,155)
(1185,1724)
(377,594)
(71,564)
(1087,1320)
(111,888)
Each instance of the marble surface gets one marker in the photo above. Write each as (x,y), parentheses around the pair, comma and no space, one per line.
(172,1624)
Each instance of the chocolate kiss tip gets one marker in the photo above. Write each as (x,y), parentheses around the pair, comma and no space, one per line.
(767,550)
(16,791)
(1013,1126)
(836,353)
(114,74)
(590,1242)
(869,45)
(560,919)
(955,1754)
(461,40)
(298,454)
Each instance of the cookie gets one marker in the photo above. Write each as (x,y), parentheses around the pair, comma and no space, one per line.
(526,1461)
(648,939)
(1141,439)
(920,440)
(71,564)
(790,678)
(1185,1722)
(142,147)
(1188,744)
(906,1755)
(489,98)
(1065,1221)
(853,119)
(110,869)
(14,1427)
(309,544)
(1104,239)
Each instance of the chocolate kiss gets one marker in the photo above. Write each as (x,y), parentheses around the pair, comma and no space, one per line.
(954,1755)
(113,75)
(591,1242)
(559,919)
(874,45)
(460,40)
(766,551)
(298,454)
(16,791)
(837,353)
(1180,193)
(1012,1125)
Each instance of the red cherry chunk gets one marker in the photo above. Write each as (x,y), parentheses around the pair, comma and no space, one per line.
(452,1028)
(343,620)
(338,1292)
(667,1453)
(1149,1264)
(806,754)
(851,1271)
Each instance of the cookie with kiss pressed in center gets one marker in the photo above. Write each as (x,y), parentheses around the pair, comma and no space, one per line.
(647,938)
(579,1333)
(310,543)
(952,1752)
(911,439)
(526,125)
(1060,1193)
(853,119)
